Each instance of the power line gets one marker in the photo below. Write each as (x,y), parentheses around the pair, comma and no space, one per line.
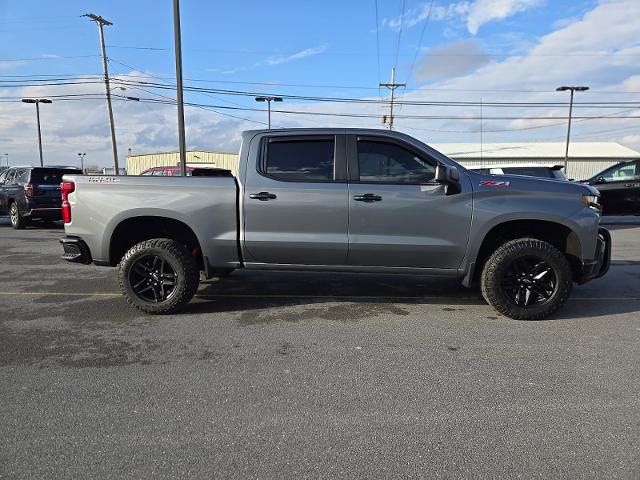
(424,28)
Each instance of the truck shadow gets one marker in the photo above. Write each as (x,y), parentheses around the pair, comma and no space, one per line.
(329,293)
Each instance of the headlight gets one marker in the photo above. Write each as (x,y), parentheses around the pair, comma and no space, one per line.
(592,201)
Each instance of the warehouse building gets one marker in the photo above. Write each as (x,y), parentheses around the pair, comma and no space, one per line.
(585,158)
(136,164)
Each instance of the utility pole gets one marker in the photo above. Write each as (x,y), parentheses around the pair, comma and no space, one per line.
(38,101)
(268,100)
(180,99)
(392,86)
(571,89)
(101,23)
(7,155)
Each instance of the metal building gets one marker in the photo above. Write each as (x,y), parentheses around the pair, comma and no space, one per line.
(136,164)
(585,158)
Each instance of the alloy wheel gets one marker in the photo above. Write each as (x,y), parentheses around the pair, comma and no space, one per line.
(529,281)
(152,279)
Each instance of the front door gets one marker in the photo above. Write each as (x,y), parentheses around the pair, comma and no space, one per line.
(399,217)
(295,201)
(620,189)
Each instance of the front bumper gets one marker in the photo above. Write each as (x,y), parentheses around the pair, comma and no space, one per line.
(75,250)
(599,266)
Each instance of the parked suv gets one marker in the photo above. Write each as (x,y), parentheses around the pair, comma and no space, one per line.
(31,193)
(620,188)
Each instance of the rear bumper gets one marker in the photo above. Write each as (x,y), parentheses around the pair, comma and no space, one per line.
(599,266)
(75,250)
(48,213)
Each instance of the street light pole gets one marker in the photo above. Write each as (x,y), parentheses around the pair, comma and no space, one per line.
(269,100)
(81,155)
(571,90)
(38,101)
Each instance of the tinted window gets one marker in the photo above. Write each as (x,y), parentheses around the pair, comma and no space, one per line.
(529,171)
(626,171)
(148,172)
(390,163)
(50,176)
(304,160)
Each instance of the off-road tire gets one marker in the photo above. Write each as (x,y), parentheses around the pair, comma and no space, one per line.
(17,221)
(176,255)
(499,262)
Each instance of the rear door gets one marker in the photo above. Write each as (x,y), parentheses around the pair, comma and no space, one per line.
(295,201)
(620,189)
(399,217)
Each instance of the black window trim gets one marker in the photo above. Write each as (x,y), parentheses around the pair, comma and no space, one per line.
(354,167)
(339,155)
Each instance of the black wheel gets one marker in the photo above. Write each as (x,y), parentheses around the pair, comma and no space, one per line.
(158,276)
(526,279)
(17,221)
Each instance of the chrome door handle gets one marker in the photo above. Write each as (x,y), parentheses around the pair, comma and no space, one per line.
(367,197)
(263,196)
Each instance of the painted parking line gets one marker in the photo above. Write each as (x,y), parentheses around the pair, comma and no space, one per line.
(336,297)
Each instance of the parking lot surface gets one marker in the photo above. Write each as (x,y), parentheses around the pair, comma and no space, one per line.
(280,375)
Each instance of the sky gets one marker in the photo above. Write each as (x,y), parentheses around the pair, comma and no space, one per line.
(471,65)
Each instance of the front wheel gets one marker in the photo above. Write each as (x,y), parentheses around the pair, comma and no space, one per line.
(526,279)
(158,276)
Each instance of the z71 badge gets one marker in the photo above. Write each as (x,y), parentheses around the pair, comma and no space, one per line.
(494,183)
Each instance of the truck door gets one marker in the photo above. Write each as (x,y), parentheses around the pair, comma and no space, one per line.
(399,217)
(295,208)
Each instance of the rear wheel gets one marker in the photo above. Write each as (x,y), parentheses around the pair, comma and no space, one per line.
(158,276)
(17,221)
(526,279)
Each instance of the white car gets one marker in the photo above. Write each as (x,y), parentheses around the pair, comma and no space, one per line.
(528,169)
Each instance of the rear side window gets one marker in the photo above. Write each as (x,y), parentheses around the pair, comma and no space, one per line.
(390,163)
(300,160)
(50,176)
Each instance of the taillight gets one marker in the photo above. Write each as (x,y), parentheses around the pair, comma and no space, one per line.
(30,190)
(66,188)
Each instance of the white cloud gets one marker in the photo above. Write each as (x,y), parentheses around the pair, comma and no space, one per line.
(485,11)
(475,13)
(309,52)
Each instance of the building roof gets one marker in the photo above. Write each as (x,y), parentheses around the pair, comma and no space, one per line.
(538,150)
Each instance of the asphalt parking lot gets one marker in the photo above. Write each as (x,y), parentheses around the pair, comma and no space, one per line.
(280,375)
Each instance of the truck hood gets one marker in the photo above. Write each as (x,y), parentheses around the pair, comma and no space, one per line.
(506,183)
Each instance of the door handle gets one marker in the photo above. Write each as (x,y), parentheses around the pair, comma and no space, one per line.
(367,197)
(263,196)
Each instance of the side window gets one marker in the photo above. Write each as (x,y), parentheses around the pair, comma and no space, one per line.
(3,177)
(390,163)
(300,160)
(10,177)
(147,173)
(623,172)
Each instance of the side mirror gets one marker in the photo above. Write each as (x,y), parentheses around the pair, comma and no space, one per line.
(448,176)
(600,180)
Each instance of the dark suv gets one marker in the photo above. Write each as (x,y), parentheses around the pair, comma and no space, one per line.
(620,188)
(31,193)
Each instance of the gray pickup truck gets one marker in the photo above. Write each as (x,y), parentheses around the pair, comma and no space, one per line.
(339,200)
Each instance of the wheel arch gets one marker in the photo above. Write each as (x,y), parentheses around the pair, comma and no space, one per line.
(133,230)
(558,234)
